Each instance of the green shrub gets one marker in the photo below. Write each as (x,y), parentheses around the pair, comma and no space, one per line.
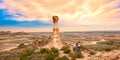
(49,56)
(73,58)
(115,43)
(54,50)
(36,57)
(103,46)
(75,55)
(4,52)
(44,50)
(92,52)
(67,51)
(57,58)
(107,42)
(62,58)
(25,55)
(64,47)
(12,58)
(100,47)
(108,49)
(79,55)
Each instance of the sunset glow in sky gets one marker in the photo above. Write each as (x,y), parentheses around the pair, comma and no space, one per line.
(74,15)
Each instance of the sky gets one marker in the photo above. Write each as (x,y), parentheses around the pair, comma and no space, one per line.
(74,15)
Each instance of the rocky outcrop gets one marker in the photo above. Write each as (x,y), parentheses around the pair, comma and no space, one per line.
(5,32)
(36,43)
(55,28)
(55,40)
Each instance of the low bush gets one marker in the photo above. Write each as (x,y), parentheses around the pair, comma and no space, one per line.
(79,55)
(75,55)
(73,58)
(12,58)
(67,51)
(99,47)
(64,47)
(62,58)
(54,50)
(25,55)
(103,46)
(44,50)
(115,43)
(36,57)
(4,52)
(92,52)
(49,56)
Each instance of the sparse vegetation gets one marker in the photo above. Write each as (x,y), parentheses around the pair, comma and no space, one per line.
(112,44)
(104,46)
(4,52)
(49,56)
(66,49)
(75,55)
(92,52)
(99,47)
(54,50)
(115,43)
(25,55)
(62,58)
(73,58)
(44,50)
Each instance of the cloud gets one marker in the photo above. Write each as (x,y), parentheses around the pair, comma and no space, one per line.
(71,12)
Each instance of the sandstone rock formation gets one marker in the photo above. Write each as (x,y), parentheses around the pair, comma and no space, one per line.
(55,41)
(40,43)
(5,32)
(36,43)
(55,28)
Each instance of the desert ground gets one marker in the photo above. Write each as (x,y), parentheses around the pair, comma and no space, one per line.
(91,40)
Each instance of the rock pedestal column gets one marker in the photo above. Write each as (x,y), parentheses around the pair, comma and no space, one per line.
(55,41)
(55,28)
